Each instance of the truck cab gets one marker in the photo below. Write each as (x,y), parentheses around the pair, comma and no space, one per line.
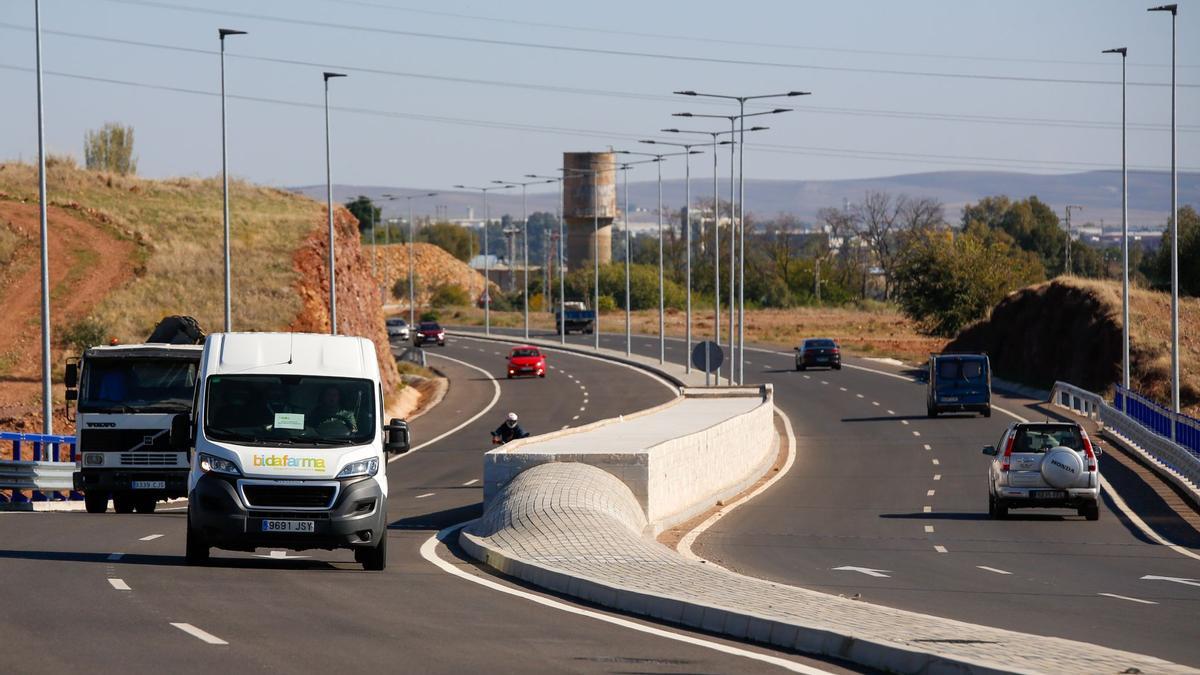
(126,397)
(290,449)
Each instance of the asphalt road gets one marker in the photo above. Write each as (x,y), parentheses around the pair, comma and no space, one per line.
(878,485)
(103,592)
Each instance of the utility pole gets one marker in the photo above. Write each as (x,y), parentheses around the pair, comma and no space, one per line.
(1067,265)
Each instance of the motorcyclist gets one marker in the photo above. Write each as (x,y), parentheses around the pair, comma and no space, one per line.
(509,430)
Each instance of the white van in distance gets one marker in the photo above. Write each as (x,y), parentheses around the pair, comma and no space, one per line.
(289,446)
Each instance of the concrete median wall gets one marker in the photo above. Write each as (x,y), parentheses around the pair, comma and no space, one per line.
(676,459)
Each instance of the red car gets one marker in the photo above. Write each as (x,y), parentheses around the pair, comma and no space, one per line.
(429,331)
(525,360)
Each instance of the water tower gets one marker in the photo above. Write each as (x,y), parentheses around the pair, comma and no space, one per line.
(589,189)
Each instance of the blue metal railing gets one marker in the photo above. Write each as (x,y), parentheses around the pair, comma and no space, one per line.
(42,448)
(1160,420)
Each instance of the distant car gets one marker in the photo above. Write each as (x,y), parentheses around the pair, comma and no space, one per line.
(823,352)
(397,328)
(429,331)
(1044,464)
(526,361)
(959,383)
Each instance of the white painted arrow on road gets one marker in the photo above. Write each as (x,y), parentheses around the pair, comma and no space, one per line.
(1178,580)
(280,555)
(863,570)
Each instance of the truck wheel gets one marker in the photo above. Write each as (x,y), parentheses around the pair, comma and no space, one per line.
(373,559)
(145,504)
(123,503)
(987,412)
(197,549)
(95,502)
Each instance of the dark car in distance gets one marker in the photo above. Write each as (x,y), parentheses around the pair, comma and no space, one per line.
(429,331)
(821,352)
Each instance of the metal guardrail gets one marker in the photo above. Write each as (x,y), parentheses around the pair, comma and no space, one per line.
(1182,429)
(43,472)
(414,354)
(1178,461)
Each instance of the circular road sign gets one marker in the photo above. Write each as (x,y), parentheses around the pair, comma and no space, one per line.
(708,356)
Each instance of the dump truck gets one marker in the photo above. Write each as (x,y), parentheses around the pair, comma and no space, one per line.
(125,397)
(576,317)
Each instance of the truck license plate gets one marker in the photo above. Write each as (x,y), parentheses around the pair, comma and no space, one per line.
(149,485)
(307,526)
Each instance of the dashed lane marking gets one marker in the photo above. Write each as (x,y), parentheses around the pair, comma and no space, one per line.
(471,482)
(119,584)
(875,403)
(937,476)
(582,408)
(842,388)
(904,422)
(891,412)
(929,529)
(935,462)
(150,537)
(1125,597)
(824,382)
(916,433)
(927,447)
(930,493)
(427,494)
(203,636)
(860,396)
(574,418)
(808,377)
(927,509)
(940,549)
(993,570)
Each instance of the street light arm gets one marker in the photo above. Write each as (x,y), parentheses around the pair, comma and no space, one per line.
(1173,9)
(222,32)
(1123,51)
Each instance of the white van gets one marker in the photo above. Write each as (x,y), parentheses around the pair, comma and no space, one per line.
(289,448)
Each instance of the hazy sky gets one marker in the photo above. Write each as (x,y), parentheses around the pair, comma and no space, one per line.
(451,92)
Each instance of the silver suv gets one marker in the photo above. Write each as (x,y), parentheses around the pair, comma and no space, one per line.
(1044,464)
(397,328)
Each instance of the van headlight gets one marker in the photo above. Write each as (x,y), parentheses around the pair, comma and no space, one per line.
(209,463)
(363,467)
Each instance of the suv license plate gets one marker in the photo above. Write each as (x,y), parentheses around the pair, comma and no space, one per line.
(306,526)
(1049,494)
(149,485)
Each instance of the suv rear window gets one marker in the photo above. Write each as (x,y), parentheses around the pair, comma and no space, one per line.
(1040,438)
(971,370)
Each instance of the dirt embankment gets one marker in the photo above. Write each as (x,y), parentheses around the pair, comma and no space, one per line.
(433,266)
(1070,330)
(87,260)
(358,309)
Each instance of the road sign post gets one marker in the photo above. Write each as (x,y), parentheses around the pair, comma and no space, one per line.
(708,356)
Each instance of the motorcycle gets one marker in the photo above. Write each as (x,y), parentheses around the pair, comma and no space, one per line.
(497,441)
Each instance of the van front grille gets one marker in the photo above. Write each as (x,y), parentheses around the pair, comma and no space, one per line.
(289,496)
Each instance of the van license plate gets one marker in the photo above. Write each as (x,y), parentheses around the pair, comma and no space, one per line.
(149,485)
(1049,494)
(306,526)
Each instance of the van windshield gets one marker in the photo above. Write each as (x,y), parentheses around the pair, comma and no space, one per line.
(137,385)
(951,370)
(290,410)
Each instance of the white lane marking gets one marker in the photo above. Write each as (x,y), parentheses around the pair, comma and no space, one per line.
(860,396)
(150,537)
(935,462)
(824,382)
(927,447)
(1125,597)
(863,570)
(875,403)
(581,409)
(115,556)
(1124,508)
(481,413)
(916,433)
(1178,580)
(119,584)
(429,552)
(684,547)
(842,388)
(427,494)
(807,377)
(904,422)
(582,387)
(891,412)
(992,570)
(937,476)
(201,635)
(940,549)
(927,509)
(929,529)
(574,418)
(929,493)
(471,482)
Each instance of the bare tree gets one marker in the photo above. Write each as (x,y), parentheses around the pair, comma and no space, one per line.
(921,213)
(879,217)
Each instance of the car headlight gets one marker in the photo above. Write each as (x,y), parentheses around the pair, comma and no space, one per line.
(363,467)
(209,463)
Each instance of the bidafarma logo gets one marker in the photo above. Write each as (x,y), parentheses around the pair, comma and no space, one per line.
(314,464)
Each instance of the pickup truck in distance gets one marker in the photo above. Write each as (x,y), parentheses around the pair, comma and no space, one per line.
(577,317)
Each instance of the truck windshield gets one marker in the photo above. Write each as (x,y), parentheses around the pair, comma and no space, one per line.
(290,410)
(951,370)
(137,385)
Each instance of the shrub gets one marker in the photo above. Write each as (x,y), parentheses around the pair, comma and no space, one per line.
(85,333)
(428,316)
(449,295)
(607,303)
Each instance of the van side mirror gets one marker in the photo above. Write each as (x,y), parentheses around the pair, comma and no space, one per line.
(181,431)
(397,438)
(71,394)
(990,451)
(71,375)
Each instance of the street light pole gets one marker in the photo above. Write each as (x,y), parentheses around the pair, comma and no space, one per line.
(487,269)
(524,240)
(1067,265)
(1124,52)
(221,34)
(562,268)
(412,244)
(1174,10)
(47,401)
(329,208)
